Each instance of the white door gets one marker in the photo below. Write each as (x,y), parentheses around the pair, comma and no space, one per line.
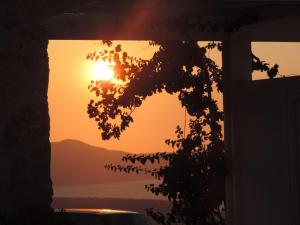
(266,152)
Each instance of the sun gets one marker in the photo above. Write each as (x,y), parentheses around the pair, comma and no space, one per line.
(103,71)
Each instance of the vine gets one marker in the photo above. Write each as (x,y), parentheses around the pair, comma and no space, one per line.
(193,179)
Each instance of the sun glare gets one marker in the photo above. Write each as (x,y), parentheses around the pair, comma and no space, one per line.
(103,71)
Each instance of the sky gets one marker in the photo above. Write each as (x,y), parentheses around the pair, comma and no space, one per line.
(68,96)
(154,121)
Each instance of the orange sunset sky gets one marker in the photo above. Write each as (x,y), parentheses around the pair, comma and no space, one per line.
(154,121)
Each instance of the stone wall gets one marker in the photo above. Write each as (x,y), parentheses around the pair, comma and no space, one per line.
(25,183)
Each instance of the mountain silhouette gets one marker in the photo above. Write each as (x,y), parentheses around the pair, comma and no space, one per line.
(76,163)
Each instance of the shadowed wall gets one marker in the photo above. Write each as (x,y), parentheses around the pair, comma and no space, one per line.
(24,121)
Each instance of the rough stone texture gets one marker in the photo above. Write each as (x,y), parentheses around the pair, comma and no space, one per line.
(25,183)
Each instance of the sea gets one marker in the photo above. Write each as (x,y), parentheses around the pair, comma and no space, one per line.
(126,190)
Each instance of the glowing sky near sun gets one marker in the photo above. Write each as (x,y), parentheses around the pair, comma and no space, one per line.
(102,71)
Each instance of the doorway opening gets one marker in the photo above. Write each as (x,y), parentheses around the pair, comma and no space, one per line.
(78,152)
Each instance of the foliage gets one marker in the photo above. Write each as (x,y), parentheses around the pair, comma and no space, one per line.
(194,178)
(262,66)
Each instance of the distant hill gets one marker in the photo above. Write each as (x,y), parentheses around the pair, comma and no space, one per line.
(76,163)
